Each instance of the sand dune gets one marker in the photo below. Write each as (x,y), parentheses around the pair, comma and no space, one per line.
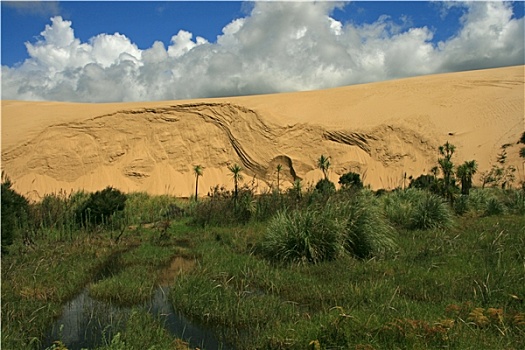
(380,130)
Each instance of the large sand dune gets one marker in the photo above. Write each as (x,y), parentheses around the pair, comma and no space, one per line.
(380,130)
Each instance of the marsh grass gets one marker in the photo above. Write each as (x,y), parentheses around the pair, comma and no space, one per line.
(460,286)
(137,279)
(397,302)
(37,280)
(143,331)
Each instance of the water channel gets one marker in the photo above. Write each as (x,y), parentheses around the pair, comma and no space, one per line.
(87,323)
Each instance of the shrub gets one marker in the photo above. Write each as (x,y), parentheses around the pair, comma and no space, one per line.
(325,187)
(14,212)
(307,236)
(351,180)
(431,212)
(100,207)
(424,182)
(366,231)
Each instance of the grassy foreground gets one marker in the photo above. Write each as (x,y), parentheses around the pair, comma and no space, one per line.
(457,286)
(462,288)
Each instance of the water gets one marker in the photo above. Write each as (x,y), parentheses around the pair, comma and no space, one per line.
(87,323)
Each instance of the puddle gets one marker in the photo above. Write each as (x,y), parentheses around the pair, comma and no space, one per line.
(87,323)
(180,326)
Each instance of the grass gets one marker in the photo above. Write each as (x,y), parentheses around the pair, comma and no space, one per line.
(399,302)
(37,280)
(137,277)
(440,286)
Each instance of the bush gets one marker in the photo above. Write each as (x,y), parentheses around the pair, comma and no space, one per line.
(307,236)
(366,232)
(351,180)
(325,187)
(431,212)
(424,182)
(14,212)
(100,207)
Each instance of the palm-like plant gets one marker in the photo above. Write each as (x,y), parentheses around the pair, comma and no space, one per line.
(323,163)
(197,170)
(237,176)
(279,168)
(447,167)
(465,172)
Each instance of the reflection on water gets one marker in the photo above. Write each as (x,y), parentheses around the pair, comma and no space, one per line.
(87,323)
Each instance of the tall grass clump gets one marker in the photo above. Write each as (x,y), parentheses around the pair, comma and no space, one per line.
(431,212)
(494,207)
(142,208)
(399,206)
(417,209)
(366,232)
(461,205)
(514,200)
(306,236)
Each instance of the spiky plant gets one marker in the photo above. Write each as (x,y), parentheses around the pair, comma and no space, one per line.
(399,206)
(323,163)
(367,232)
(431,212)
(307,236)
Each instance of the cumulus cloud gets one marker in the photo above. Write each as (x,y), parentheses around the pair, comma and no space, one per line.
(279,46)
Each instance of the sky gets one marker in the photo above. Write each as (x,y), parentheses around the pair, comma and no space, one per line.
(143,51)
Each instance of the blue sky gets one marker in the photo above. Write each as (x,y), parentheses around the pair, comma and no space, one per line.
(123,51)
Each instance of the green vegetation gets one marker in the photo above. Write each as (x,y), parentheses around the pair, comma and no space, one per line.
(420,268)
(100,207)
(198,170)
(350,180)
(14,209)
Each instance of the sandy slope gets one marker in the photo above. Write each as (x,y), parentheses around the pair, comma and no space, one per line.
(380,130)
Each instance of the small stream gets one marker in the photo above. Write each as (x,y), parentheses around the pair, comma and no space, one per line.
(87,323)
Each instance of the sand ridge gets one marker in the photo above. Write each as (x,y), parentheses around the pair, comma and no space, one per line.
(380,130)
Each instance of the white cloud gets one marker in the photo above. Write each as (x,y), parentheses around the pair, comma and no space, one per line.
(38,8)
(280,46)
